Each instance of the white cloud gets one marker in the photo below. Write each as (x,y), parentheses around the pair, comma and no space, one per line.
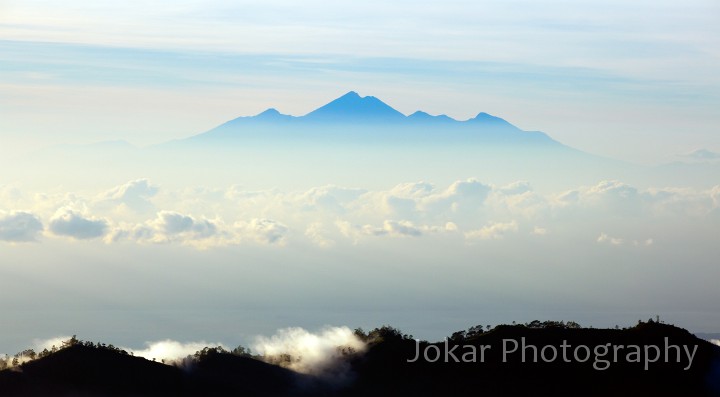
(263,230)
(324,214)
(614,196)
(464,195)
(19,226)
(318,235)
(494,230)
(42,344)
(170,350)
(605,238)
(67,222)
(311,353)
(172,223)
(412,190)
(170,226)
(390,228)
(134,195)
(400,228)
(329,198)
(514,188)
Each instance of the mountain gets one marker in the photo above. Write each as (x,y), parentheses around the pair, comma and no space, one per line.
(353,119)
(351,107)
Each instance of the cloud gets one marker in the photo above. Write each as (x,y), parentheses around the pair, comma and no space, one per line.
(318,235)
(412,189)
(604,238)
(170,350)
(389,228)
(42,344)
(310,353)
(514,188)
(172,223)
(325,215)
(19,226)
(67,222)
(519,202)
(329,198)
(495,230)
(134,195)
(460,196)
(170,226)
(400,228)
(263,230)
(613,190)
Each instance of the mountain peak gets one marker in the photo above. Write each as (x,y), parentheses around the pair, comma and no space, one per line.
(353,107)
(269,112)
(271,115)
(489,119)
(421,116)
(351,94)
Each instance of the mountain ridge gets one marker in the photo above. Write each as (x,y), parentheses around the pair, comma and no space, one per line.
(353,105)
(385,367)
(352,118)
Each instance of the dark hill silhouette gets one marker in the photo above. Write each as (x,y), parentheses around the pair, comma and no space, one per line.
(383,369)
(84,370)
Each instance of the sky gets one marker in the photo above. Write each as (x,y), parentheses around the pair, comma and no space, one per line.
(142,250)
(634,81)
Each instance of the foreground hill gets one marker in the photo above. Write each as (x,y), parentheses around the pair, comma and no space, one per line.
(390,367)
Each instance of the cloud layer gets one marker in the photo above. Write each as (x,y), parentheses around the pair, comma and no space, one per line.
(609,213)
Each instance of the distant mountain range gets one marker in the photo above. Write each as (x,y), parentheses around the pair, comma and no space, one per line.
(368,120)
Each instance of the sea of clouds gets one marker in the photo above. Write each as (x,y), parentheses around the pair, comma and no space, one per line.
(141,212)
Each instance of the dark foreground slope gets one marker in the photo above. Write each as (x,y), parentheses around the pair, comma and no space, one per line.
(90,371)
(383,369)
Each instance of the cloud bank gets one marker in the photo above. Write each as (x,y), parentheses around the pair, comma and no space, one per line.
(608,213)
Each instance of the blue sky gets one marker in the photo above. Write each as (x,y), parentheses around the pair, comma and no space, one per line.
(634,81)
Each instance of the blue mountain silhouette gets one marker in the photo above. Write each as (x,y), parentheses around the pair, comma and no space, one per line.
(353,107)
(352,118)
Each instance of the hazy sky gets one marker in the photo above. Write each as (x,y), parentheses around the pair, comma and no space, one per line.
(633,80)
